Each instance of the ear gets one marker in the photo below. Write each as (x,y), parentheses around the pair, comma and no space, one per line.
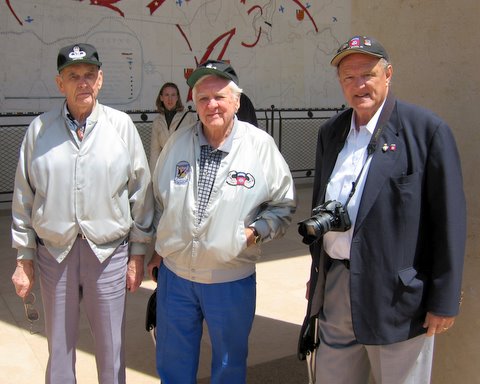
(389,73)
(100,79)
(59,81)
(237,105)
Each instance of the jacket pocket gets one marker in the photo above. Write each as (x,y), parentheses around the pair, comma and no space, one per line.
(409,293)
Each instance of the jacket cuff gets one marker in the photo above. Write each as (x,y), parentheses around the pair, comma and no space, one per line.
(25,253)
(138,248)
(262,228)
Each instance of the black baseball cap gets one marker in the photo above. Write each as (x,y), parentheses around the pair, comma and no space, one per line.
(213,67)
(76,54)
(359,44)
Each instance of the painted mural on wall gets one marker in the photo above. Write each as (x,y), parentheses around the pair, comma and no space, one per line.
(280,48)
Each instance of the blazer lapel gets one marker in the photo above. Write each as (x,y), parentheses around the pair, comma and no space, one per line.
(382,161)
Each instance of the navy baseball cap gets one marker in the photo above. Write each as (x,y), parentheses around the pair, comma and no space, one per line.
(76,54)
(359,44)
(213,67)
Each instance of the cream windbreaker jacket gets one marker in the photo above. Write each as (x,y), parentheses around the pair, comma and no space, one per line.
(100,188)
(161,132)
(253,186)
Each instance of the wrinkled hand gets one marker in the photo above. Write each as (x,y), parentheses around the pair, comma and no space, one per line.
(23,277)
(155,261)
(250,234)
(437,324)
(134,272)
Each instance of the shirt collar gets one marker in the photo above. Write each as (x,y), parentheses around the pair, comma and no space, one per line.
(370,127)
(91,120)
(226,145)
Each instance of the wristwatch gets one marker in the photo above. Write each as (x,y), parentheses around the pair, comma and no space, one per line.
(257,239)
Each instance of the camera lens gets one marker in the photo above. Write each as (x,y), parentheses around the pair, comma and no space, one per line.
(330,216)
(315,227)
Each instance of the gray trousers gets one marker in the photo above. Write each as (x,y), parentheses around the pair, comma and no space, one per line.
(102,288)
(342,360)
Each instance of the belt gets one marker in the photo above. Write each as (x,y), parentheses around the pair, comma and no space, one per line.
(83,237)
(345,262)
(80,235)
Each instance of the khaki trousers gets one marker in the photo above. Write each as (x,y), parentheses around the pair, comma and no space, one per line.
(342,360)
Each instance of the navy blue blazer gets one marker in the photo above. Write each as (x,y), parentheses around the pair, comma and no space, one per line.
(409,238)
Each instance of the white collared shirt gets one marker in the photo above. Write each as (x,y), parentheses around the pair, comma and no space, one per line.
(350,161)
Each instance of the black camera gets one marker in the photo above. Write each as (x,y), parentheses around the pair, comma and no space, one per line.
(330,216)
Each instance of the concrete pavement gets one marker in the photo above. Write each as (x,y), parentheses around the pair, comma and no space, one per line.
(281,277)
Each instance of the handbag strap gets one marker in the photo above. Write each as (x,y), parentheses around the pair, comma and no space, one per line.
(180,122)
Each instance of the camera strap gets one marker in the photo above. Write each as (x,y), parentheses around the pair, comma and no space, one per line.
(372,145)
(355,183)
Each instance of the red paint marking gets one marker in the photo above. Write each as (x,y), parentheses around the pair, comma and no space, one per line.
(154,5)
(13,12)
(308,13)
(108,4)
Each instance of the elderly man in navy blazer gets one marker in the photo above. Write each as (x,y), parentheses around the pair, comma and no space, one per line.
(387,262)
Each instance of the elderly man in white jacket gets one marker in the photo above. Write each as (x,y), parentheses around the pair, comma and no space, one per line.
(221,188)
(82,209)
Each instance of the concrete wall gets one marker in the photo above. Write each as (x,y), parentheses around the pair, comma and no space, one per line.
(434,47)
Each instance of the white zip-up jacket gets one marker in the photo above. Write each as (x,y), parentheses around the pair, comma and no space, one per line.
(253,186)
(100,188)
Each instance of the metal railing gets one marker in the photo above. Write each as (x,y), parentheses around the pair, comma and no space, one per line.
(294,131)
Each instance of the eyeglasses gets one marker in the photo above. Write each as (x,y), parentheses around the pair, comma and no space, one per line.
(31,312)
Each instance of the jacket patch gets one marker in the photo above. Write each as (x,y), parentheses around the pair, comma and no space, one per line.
(241,179)
(182,172)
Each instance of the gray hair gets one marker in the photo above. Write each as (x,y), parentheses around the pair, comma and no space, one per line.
(385,63)
(236,90)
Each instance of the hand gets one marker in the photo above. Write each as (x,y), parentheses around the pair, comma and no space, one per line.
(437,324)
(307,292)
(155,262)
(250,234)
(135,272)
(23,277)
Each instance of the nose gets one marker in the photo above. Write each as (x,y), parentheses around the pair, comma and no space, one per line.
(360,81)
(212,103)
(82,81)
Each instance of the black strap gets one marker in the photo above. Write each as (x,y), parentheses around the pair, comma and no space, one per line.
(180,122)
(372,145)
(355,183)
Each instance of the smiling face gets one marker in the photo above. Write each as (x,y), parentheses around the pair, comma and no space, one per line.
(80,84)
(365,80)
(216,103)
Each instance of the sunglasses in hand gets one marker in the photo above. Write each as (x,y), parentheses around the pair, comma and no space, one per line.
(31,313)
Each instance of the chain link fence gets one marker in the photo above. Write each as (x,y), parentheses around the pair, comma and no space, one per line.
(294,131)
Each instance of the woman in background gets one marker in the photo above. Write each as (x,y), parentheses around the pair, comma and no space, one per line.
(172,116)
